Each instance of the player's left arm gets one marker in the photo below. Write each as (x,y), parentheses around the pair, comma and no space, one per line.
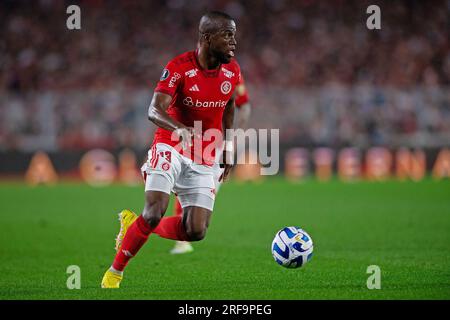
(243,115)
(243,105)
(227,123)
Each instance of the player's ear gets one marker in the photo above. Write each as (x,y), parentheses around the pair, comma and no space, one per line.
(207,38)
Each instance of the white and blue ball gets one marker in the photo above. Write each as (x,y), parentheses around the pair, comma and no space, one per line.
(292,247)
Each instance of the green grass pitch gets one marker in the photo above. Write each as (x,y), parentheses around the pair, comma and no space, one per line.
(403,227)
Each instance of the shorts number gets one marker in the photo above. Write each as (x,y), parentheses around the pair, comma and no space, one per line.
(166,155)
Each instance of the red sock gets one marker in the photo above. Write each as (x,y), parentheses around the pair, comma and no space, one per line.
(177,208)
(171,228)
(137,234)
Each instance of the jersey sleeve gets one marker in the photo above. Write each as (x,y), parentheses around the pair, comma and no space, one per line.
(171,79)
(241,93)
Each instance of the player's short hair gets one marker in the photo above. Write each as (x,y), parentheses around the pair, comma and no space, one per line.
(209,22)
(218,14)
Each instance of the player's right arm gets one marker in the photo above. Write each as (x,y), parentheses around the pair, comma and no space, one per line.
(157,113)
(168,84)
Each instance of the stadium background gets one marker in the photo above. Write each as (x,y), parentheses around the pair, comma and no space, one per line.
(313,70)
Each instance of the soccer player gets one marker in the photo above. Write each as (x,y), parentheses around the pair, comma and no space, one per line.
(195,86)
(243,107)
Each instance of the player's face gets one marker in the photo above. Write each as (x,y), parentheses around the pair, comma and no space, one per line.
(223,42)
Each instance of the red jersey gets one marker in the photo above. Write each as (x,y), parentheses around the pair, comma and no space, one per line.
(241,97)
(197,95)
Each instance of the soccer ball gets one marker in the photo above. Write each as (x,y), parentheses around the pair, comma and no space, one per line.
(292,247)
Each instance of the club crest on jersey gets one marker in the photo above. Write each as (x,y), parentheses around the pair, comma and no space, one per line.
(165,74)
(228,73)
(225,87)
(191,73)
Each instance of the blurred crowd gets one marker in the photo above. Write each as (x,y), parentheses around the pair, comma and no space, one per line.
(313,69)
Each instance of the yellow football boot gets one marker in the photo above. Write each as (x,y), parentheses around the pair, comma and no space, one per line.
(111,280)
(126,218)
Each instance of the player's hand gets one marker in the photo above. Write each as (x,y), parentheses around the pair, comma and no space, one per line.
(186,135)
(227,164)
